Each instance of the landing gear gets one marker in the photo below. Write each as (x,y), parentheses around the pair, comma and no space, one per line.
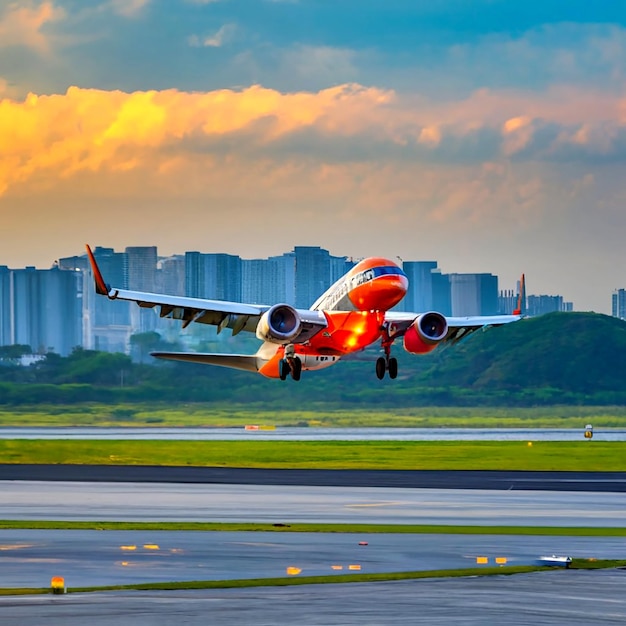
(290,364)
(386,363)
(381,366)
(283,369)
(392,367)
(296,368)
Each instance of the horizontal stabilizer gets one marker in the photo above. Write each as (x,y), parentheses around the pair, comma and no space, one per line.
(247,362)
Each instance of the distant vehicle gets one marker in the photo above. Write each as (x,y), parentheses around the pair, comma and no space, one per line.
(560,561)
(351,315)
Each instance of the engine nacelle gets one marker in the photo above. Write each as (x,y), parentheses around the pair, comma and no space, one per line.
(281,324)
(425,333)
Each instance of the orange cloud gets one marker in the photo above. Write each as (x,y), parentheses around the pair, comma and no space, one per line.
(366,149)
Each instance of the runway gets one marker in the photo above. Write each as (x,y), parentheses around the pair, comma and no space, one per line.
(38,500)
(30,558)
(100,557)
(576,598)
(427,479)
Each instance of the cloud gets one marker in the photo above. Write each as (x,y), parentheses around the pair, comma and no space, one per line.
(24,25)
(128,8)
(89,129)
(217,40)
(363,153)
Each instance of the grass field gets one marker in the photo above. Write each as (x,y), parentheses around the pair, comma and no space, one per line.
(202,415)
(439,529)
(433,455)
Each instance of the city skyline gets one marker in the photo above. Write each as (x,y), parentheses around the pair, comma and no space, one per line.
(487,135)
(57,309)
(181,285)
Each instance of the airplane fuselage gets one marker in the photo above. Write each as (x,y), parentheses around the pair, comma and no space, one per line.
(354,308)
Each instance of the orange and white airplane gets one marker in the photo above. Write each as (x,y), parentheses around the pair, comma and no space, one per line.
(350,316)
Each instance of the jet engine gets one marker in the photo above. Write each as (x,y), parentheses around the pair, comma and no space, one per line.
(425,333)
(280,324)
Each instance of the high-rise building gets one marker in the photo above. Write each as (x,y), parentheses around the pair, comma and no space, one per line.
(5,306)
(213,276)
(281,279)
(618,308)
(315,271)
(540,305)
(44,309)
(171,275)
(473,294)
(142,268)
(419,296)
(142,276)
(442,302)
(254,281)
(312,274)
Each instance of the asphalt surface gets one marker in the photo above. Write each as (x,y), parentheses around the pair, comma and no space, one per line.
(423,479)
(217,494)
(552,598)
(30,558)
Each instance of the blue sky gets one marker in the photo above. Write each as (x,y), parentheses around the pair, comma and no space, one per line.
(489,135)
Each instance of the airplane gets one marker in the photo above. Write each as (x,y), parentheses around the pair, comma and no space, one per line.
(351,315)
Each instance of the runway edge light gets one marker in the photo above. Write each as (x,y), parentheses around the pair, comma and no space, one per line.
(57,583)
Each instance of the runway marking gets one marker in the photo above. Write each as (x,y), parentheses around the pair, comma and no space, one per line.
(372,504)
(257,544)
(16,546)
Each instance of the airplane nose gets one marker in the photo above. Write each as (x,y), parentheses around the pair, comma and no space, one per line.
(381,293)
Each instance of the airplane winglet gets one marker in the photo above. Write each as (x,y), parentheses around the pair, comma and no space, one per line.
(101,287)
(521,297)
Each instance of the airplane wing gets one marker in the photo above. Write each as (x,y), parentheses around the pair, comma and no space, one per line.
(458,327)
(220,313)
(248,363)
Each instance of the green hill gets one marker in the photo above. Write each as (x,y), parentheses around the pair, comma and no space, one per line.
(562,358)
(575,352)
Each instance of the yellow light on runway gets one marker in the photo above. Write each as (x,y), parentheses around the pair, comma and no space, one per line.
(482,560)
(128,547)
(354,567)
(151,546)
(337,567)
(293,571)
(500,560)
(58,584)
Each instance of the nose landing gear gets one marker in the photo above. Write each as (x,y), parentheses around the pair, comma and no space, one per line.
(386,363)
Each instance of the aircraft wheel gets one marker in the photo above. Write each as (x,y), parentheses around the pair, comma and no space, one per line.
(380,367)
(393,367)
(296,368)
(283,369)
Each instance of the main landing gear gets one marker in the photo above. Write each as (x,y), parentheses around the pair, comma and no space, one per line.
(386,363)
(290,364)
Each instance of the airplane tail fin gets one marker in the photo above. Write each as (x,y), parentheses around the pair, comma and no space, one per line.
(521,297)
(246,362)
(101,287)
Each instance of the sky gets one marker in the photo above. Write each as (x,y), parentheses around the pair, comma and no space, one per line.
(488,135)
